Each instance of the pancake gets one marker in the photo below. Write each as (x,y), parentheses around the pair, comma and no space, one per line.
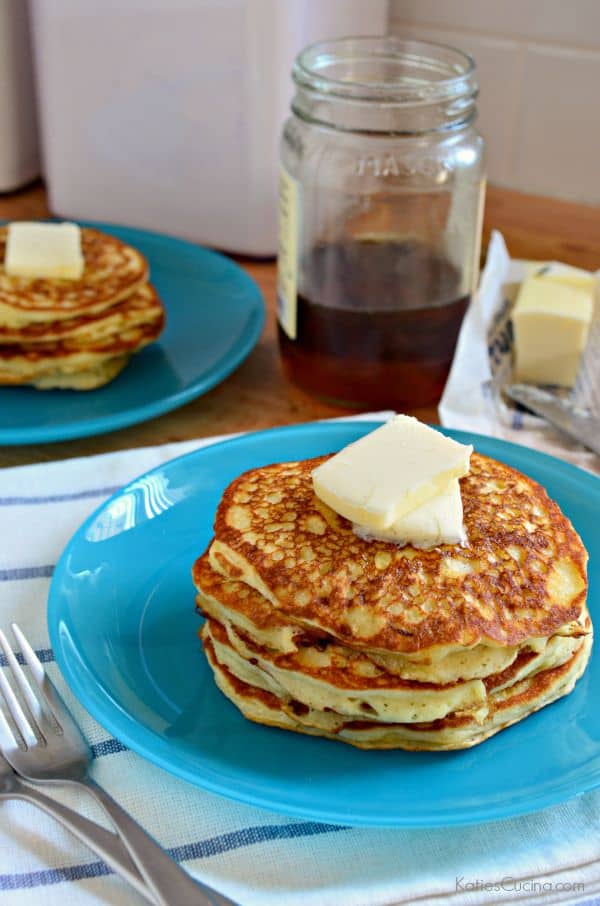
(521,575)
(259,702)
(113,271)
(351,686)
(94,375)
(142,307)
(246,614)
(74,365)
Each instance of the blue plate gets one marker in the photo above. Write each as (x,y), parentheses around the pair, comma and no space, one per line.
(215,315)
(123,628)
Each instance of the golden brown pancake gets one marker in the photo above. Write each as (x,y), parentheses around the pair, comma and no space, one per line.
(97,373)
(74,365)
(113,271)
(521,575)
(142,307)
(261,702)
(349,684)
(246,614)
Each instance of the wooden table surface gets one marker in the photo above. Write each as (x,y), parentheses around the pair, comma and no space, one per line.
(257,395)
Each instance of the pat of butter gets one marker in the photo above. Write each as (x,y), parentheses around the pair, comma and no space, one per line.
(390,472)
(440,521)
(569,276)
(44,250)
(551,322)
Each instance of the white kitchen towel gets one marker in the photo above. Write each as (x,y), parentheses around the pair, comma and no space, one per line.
(256,857)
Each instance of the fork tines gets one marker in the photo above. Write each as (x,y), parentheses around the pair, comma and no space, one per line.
(36,719)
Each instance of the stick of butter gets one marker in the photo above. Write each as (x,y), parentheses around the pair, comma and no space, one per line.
(44,250)
(390,472)
(551,322)
(569,276)
(439,521)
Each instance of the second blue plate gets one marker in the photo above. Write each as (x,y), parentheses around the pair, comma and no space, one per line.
(215,314)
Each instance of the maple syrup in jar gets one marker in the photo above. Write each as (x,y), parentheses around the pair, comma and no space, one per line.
(381,191)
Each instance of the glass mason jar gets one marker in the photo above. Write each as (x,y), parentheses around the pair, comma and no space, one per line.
(381,197)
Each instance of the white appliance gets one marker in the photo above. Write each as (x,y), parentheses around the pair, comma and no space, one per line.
(166,114)
(19,158)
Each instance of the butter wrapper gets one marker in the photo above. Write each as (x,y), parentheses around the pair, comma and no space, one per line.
(483,364)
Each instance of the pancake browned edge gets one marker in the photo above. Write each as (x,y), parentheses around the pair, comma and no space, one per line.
(73,366)
(141,308)
(313,629)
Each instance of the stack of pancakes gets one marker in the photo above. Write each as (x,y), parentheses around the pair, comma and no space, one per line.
(311,628)
(77,333)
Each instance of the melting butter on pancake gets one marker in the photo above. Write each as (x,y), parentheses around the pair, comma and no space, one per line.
(113,271)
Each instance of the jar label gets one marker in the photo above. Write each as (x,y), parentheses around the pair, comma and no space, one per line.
(287,256)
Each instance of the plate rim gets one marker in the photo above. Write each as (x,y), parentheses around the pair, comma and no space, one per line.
(119,420)
(156,748)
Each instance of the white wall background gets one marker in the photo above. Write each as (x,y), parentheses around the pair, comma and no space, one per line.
(539,69)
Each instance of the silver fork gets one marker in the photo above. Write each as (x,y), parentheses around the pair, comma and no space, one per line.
(104,843)
(53,749)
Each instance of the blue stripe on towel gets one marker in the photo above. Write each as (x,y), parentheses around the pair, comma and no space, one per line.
(201,849)
(59,498)
(28,879)
(45,655)
(13,574)
(109,746)
(249,836)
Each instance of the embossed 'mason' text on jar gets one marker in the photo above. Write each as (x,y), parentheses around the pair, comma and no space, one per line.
(381,196)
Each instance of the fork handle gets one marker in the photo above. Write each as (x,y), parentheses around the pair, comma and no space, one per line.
(104,843)
(169,884)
